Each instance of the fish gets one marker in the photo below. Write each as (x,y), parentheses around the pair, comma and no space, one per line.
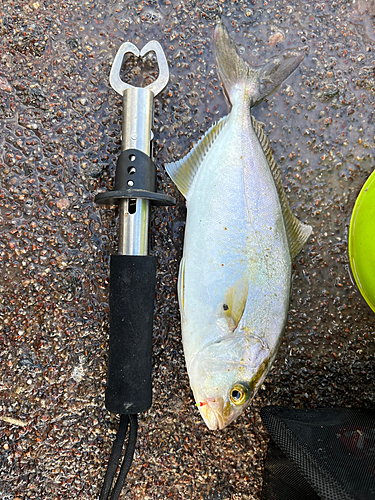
(240,239)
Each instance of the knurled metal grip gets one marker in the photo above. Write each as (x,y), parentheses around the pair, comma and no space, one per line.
(135,178)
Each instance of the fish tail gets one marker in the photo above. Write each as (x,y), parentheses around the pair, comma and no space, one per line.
(260,80)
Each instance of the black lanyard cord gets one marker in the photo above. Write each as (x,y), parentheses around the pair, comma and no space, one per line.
(125,422)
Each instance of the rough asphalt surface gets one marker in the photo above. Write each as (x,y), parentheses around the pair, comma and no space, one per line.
(60,137)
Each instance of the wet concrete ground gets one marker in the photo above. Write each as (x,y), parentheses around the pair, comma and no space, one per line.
(60,137)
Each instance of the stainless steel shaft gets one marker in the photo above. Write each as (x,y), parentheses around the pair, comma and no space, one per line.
(134,215)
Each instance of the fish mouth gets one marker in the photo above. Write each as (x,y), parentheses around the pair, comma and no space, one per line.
(211,410)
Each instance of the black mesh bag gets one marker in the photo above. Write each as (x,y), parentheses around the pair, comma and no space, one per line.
(326,454)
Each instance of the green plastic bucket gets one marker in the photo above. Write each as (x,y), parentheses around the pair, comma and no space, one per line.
(362,241)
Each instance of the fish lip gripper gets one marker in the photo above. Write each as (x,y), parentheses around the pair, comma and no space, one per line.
(132,270)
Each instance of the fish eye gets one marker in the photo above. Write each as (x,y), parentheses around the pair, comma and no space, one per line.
(239,394)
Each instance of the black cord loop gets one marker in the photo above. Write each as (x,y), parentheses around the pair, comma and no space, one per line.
(114,459)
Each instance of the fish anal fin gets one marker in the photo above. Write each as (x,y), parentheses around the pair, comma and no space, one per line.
(182,172)
(234,302)
(297,232)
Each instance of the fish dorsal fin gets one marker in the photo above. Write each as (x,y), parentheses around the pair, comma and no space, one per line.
(182,172)
(297,233)
(234,302)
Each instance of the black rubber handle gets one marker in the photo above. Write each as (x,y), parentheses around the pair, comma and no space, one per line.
(131,303)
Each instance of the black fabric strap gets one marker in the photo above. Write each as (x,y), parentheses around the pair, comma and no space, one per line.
(114,459)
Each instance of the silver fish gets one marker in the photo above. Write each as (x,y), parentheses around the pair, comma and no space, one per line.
(240,239)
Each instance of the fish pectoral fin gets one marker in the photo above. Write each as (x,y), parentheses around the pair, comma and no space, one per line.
(182,172)
(234,302)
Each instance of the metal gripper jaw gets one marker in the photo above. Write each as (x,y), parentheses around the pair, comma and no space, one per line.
(158,85)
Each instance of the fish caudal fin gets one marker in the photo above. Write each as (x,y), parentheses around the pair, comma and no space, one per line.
(261,80)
